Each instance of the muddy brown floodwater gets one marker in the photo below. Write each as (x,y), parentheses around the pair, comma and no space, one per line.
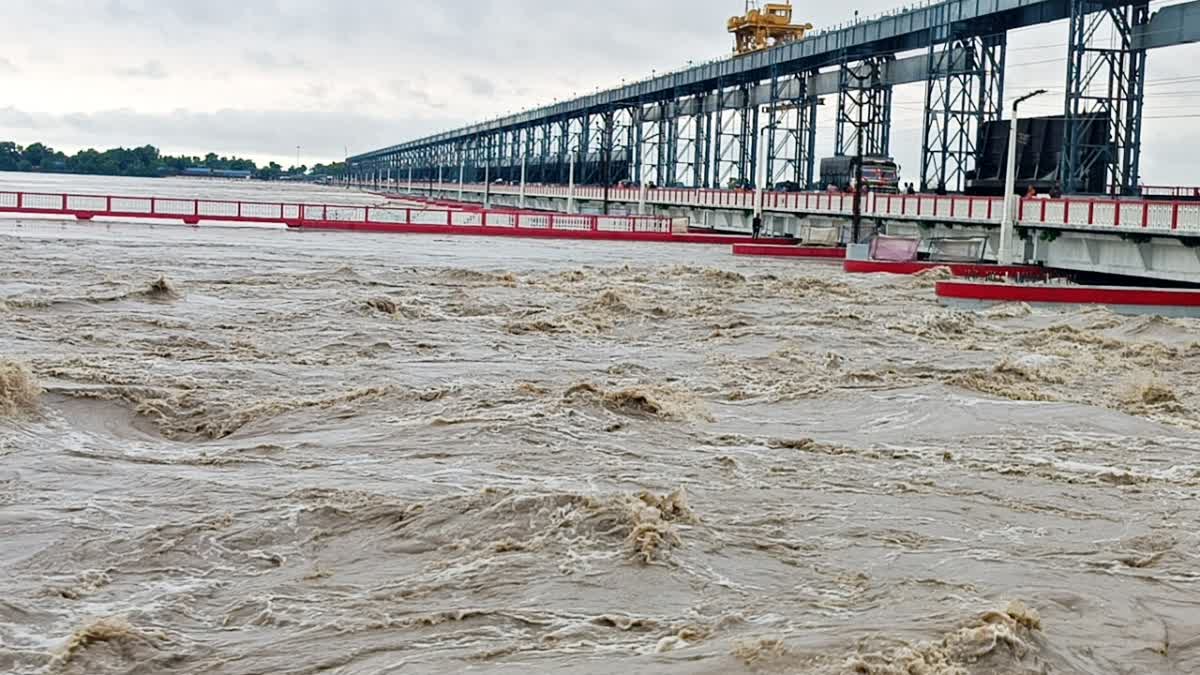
(260,451)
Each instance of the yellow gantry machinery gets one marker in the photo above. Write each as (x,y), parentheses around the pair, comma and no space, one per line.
(765,27)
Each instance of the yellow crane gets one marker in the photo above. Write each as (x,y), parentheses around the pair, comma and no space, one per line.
(765,27)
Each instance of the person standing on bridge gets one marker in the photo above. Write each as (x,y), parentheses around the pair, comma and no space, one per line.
(756,225)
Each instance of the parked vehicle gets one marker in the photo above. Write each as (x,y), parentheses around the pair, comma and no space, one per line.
(880,174)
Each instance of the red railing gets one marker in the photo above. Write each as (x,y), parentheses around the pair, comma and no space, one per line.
(1175,217)
(294,214)
(1171,191)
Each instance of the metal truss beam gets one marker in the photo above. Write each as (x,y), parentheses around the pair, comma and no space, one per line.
(689,156)
(791,131)
(864,107)
(1106,77)
(736,141)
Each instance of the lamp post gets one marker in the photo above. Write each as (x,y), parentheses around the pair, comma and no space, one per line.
(1011,200)
(462,168)
(856,212)
(521,193)
(571,184)
(760,174)
(487,185)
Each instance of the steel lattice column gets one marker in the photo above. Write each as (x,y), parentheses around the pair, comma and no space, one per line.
(621,158)
(637,138)
(689,142)
(1106,78)
(699,150)
(516,148)
(531,155)
(671,109)
(864,106)
(736,140)
(790,128)
(562,141)
(545,133)
(656,143)
(591,148)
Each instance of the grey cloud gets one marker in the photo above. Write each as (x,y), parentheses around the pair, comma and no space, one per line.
(273,133)
(315,90)
(431,66)
(363,96)
(409,92)
(268,61)
(11,118)
(150,70)
(479,86)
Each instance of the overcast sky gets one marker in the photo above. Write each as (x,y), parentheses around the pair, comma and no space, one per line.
(259,77)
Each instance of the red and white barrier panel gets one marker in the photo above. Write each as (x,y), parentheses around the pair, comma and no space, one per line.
(430,220)
(1115,296)
(1170,192)
(971,270)
(192,211)
(1155,216)
(777,251)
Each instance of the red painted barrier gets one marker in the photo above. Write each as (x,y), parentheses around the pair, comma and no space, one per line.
(979,270)
(440,220)
(1090,295)
(1084,213)
(774,251)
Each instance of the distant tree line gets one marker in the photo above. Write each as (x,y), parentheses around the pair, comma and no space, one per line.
(145,161)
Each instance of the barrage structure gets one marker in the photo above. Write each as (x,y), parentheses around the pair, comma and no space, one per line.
(702,127)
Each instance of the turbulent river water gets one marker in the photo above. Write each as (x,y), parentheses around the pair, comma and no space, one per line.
(245,451)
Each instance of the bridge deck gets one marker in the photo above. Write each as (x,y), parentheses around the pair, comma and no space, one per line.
(1123,216)
(418,219)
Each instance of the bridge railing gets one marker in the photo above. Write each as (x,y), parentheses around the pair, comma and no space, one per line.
(1148,216)
(192,211)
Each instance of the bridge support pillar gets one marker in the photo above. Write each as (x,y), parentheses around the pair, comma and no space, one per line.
(864,107)
(736,142)
(1106,78)
(964,90)
(791,131)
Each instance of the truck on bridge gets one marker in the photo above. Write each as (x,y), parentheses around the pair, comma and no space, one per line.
(879,174)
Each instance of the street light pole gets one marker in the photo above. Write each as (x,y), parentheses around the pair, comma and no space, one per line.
(1011,200)
(487,184)
(856,218)
(521,194)
(571,185)
(760,177)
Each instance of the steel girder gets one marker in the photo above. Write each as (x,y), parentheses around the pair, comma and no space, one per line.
(864,107)
(736,139)
(685,141)
(652,144)
(622,144)
(791,131)
(562,141)
(1106,80)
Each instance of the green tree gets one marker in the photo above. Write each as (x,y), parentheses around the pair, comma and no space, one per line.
(10,156)
(146,160)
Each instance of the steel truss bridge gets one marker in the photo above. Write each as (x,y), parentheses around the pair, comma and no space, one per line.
(702,127)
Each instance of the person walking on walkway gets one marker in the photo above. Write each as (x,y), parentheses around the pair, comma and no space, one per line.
(756,225)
